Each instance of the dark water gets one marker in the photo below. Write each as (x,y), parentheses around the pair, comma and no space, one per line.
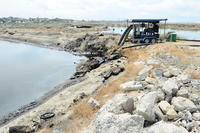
(183,34)
(28,72)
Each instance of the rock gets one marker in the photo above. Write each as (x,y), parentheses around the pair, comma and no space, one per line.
(168,110)
(117,70)
(196,116)
(168,59)
(146,69)
(86,66)
(11,33)
(19,129)
(175,71)
(152,61)
(181,103)
(171,114)
(92,44)
(157,72)
(150,80)
(186,116)
(170,87)
(195,83)
(131,86)
(107,74)
(111,123)
(115,116)
(167,74)
(150,87)
(190,126)
(93,102)
(160,114)
(164,127)
(136,63)
(141,77)
(146,104)
(183,92)
(121,103)
(195,98)
(184,78)
(164,106)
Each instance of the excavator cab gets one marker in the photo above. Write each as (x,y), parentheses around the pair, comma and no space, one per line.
(144,31)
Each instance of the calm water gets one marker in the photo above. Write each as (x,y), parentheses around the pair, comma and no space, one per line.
(183,34)
(28,72)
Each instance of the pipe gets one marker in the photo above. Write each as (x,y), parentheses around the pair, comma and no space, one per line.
(125,35)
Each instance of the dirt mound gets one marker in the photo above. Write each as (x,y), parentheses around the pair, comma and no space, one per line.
(91,45)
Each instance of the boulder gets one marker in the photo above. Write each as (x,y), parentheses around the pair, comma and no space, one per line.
(115,117)
(171,114)
(184,78)
(185,116)
(168,110)
(121,103)
(181,103)
(131,86)
(175,71)
(160,114)
(167,74)
(141,77)
(146,69)
(146,104)
(183,92)
(170,87)
(196,116)
(164,106)
(193,127)
(150,80)
(164,127)
(117,70)
(157,72)
(195,98)
(168,59)
(111,123)
(150,86)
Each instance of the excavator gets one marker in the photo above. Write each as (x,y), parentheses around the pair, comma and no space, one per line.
(145,31)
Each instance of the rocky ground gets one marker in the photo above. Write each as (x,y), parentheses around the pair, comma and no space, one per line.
(158,90)
(144,89)
(166,100)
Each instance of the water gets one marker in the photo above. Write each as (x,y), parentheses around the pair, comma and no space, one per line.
(28,72)
(183,34)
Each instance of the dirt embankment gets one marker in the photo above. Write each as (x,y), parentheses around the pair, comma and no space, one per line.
(102,54)
(181,55)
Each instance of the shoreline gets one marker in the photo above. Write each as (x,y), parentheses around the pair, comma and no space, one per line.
(5,119)
(61,98)
(37,44)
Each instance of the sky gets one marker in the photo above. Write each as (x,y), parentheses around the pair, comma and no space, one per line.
(174,10)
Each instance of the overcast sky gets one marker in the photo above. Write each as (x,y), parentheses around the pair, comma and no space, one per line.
(174,10)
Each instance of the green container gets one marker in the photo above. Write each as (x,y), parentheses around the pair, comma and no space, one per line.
(171,37)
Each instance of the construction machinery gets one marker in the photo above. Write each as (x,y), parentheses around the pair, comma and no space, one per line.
(145,31)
